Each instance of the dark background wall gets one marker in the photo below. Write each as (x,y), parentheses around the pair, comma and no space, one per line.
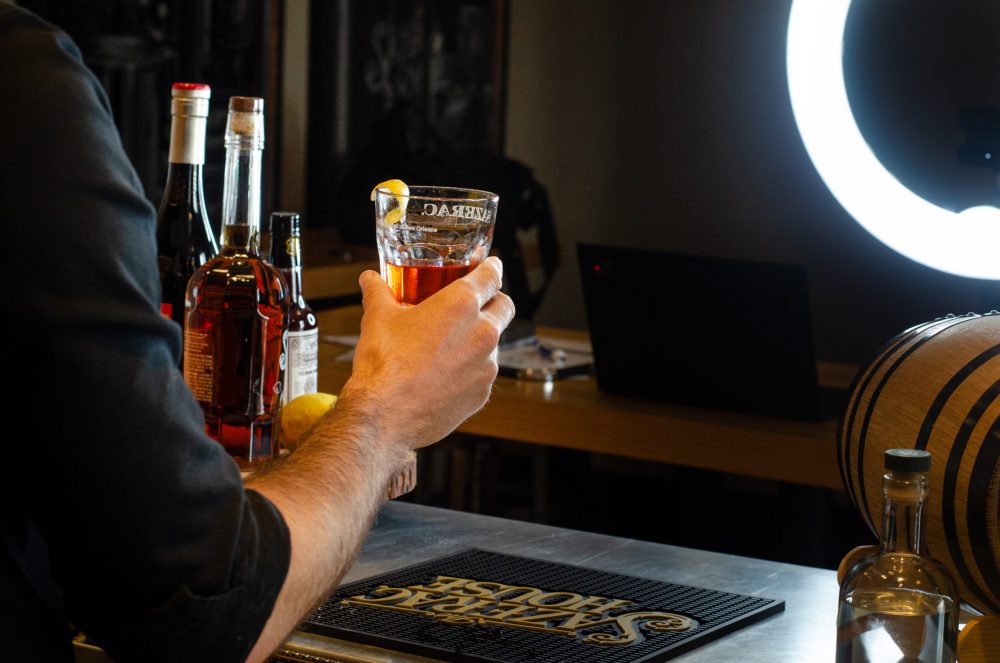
(668,125)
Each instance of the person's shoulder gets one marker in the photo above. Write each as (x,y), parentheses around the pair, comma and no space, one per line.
(47,58)
(20,29)
(49,78)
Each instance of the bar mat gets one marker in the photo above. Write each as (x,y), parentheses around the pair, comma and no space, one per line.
(477,606)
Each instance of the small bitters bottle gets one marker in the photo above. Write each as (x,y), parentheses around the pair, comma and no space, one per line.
(303,330)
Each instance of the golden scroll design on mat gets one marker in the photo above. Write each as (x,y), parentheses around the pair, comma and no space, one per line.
(465,601)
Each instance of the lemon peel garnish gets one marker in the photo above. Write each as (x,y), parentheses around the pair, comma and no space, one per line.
(401,192)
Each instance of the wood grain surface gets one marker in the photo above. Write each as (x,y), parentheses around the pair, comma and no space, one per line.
(937,387)
(573,414)
(979,641)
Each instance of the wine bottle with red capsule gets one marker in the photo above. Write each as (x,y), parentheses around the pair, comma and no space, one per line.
(184,238)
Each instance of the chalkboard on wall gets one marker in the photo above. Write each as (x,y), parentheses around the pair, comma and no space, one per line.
(412,79)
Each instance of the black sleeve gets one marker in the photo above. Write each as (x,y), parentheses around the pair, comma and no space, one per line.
(159,551)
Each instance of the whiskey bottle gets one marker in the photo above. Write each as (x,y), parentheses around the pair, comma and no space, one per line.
(303,330)
(184,238)
(898,604)
(236,308)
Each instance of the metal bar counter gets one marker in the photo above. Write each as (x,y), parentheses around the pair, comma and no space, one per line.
(407,534)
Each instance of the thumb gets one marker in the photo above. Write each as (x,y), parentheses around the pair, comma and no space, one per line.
(375,293)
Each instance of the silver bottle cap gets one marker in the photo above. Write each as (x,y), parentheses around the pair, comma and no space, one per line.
(190,99)
(188,110)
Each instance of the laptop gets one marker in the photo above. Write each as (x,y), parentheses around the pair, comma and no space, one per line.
(711,332)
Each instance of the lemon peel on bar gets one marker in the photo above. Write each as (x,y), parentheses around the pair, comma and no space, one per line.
(401,192)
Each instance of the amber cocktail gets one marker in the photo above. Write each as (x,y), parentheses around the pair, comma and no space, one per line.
(431,236)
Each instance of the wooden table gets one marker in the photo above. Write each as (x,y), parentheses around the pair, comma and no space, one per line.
(573,414)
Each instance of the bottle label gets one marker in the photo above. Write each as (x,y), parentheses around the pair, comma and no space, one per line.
(199,364)
(167,310)
(301,371)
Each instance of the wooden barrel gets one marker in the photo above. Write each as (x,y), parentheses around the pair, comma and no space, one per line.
(936,386)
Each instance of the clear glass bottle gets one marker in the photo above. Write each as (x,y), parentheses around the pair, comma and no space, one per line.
(184,237)
(899,605)
(303,330)
(236,307)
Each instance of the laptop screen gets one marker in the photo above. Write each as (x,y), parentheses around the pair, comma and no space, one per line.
(713,332)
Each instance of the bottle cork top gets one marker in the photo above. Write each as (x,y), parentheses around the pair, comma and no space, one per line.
(245,124)
(246,104)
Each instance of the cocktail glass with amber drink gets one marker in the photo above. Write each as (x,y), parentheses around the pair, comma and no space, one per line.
(429,236)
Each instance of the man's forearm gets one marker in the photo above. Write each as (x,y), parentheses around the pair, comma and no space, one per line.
(328,491)
(418,373)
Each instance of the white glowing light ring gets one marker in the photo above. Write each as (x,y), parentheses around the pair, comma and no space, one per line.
(964,243)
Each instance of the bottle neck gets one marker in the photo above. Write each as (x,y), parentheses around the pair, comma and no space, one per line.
(286,256)
(187,139)
(902,521)
(186,160)
(294,279)
(184,185)
(241,201)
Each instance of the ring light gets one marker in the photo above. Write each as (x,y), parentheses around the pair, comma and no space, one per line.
(966,243)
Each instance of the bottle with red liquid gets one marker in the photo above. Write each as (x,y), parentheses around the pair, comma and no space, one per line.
(184,238)
(236,308)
